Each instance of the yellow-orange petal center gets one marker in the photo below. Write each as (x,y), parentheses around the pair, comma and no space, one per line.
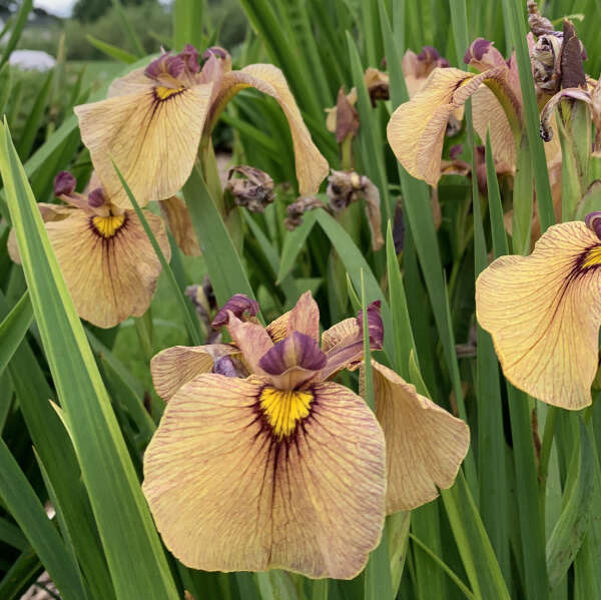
(283,409)
(163,93)
(107,227)
(592,258)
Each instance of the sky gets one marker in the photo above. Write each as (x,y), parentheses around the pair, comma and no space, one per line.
(62,8)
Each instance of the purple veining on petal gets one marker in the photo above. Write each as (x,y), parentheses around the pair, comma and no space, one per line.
(190,57)
(593,222)
(297,350)
(374,325)
(64,184)
(238,305)
(96,198)
(166,64)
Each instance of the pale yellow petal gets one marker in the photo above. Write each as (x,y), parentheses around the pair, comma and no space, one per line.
(227,495)
(153,142)
(488,113)
(311,166)
(178,220)
(109,279)
(543,312)
(342,332)
(173,367)
(416,129)
(49,212)
(425,445)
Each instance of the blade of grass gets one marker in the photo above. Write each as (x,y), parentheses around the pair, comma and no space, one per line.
(444,567)
(293,244)
(22,502)
(530,519)
(13,329)
(135,557)
(192,325)
(23,572)
(112,51)
(187,23)
(401,324)
(24,11)
(573,524)
(517,27)
(128,30)
(56,452)
(34,120)
(227,274)
(378,584)
(476,552)
(354,263)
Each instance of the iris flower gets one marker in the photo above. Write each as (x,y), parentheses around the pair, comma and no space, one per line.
(153,121)
(544,310)
(108,263)
(262,461)
(497,105)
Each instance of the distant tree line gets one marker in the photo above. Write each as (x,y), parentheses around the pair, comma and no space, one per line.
(88,11)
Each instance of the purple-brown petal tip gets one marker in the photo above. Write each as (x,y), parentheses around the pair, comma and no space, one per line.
(64,184)
(297,350)
(593,222)
(190,55)
(476,50)
(216,51)
(238,304)
(166,63)
(374,324)
(96,198)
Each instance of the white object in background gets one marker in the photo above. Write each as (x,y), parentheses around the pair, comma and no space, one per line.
(32,59)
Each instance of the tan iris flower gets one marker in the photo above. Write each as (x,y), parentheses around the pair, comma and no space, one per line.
(153,121)
(544,310)
(261,461)
(108,263)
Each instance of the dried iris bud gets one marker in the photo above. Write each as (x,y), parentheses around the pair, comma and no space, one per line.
(297,209)
(254,188)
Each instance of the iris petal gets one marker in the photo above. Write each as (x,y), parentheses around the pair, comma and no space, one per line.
(154,142)
(227,495)
(112,278)
(543,312)
(174,367)
(425,445)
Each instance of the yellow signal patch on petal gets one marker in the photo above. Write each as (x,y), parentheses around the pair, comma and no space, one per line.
(163,93)
(284,409)
(592,258)
(107,227)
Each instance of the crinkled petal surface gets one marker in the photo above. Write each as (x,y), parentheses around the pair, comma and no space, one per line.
(227,495)
(173,367)
(543,312)
(311,166)
(109,279)
(425,445)
(154,142)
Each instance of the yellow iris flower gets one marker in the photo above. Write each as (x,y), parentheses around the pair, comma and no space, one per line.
(153,121)
(262,461)
(108,263)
